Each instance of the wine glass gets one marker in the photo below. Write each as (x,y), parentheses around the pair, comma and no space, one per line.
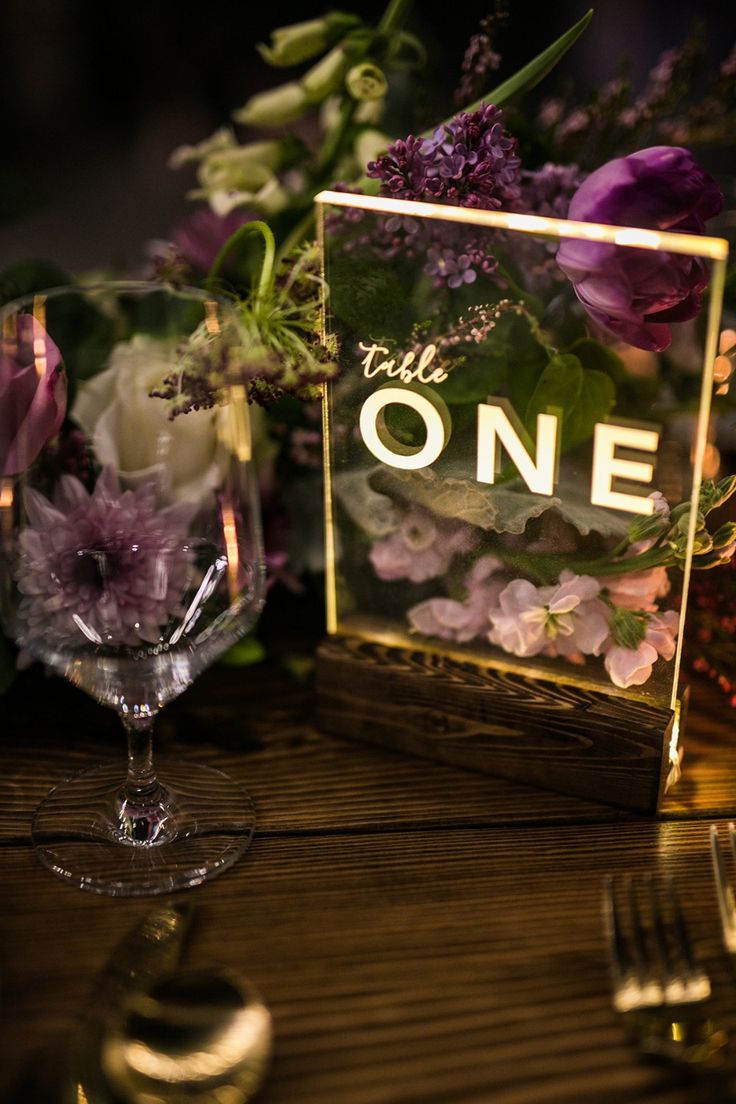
(131,555)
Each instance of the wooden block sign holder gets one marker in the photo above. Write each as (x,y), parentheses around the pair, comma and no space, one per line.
(382,677)
(576,741)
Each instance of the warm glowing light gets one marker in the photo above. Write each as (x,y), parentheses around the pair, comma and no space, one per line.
(691,244)
(495,424)
(711,461)
(39,343)
(222,1056)
(606,465)
(642,239)
(230,532)
(6,494)
(723,368)
(211,316)
(237,432)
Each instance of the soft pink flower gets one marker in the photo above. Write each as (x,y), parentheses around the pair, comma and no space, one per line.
(639,589)
(421,548)
(448,619)
(32,394)
(633,666)
(462,621)
(567,616)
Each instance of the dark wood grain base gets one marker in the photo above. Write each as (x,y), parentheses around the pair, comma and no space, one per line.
(579,742)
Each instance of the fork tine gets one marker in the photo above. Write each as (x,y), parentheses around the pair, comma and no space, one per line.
(724,892)
(619,953)
(666,962)
(626,989)
(652,958)
(652,988)
(694,980)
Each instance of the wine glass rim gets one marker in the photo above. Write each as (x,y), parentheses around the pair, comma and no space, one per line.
(134,287)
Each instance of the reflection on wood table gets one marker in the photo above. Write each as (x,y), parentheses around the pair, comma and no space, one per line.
(421,934)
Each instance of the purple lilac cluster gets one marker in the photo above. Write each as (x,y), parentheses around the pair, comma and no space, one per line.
(468,162)
(547,192)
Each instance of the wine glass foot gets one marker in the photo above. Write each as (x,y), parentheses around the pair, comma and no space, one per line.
(90,836)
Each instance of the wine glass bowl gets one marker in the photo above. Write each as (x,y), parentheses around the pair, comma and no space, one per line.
(131,555)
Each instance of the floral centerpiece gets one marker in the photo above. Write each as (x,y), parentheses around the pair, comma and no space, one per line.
(598,325)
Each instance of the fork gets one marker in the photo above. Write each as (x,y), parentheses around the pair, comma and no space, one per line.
(724,892)
(659,987)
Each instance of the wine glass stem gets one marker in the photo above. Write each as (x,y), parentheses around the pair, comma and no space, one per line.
(141,780)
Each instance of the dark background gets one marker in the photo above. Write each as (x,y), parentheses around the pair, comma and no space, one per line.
(94,96)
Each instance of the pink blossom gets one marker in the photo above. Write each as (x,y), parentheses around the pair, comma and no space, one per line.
(421,548)
(566,618)
(32,393)
(633,666)
(448,619)
(462,621)
(639,589)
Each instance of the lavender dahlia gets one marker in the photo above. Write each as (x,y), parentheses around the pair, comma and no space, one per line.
(106,568)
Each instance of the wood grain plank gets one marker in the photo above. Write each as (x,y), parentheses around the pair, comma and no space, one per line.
(257,725)
(429,967)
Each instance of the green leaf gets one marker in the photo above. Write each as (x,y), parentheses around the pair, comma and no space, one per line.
(597,397)
(374,513)
(535,71)
(501,509)
(504,509)
(557,391)
(475,380)
(245,653)
(601,358)
(371,300)
(582,397)
(526,358)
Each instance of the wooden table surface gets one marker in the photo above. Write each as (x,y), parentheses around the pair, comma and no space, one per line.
(421,934)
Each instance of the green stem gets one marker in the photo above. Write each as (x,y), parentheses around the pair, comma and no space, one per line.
(392,18)
(297,235)
(546,568)
(645,560)
(269,252)
(329,155)
(394,15)
(332,150)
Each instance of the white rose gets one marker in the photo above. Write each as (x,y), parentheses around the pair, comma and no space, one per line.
(133,432)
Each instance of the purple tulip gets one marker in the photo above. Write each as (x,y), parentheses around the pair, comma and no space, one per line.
(637,293)
(32,393)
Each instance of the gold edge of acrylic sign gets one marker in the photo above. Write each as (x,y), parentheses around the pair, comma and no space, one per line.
(330,565)
(715,305)
(715,249)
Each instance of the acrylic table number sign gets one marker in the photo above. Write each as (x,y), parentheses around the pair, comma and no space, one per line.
(514,489)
